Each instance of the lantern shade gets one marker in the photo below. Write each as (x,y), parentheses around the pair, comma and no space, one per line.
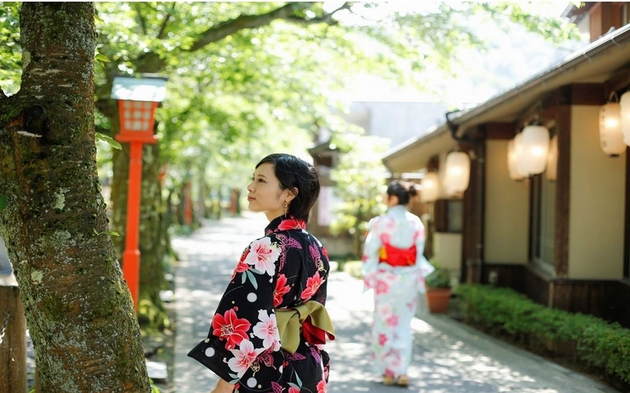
(430,187)
(535,147)
(138,97)
(624,112)
(610,134)
(512,158)
(146,88)
(136,121)
(552,162)
(457,173)
(519,156)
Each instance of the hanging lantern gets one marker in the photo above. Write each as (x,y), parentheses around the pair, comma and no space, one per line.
(519,156)
(552,162)
(515,174)
(535,147)
(457,173)
(610,134)
(430,187)
(624,114)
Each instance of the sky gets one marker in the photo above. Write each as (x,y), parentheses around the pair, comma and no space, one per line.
(513,58)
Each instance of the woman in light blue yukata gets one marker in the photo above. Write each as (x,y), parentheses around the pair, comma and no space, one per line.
(395,267)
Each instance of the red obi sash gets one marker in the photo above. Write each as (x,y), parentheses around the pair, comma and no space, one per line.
(313,334)
(397,256)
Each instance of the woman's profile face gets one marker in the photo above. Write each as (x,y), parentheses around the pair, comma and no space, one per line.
(264,193)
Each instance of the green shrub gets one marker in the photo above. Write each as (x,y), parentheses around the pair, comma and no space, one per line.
(353,268)
(597,343)
(439,278)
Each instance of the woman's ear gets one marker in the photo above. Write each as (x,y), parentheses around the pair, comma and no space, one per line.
(291,194)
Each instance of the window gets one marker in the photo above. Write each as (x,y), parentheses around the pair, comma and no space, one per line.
(625,14)
(449,215)
(543,222)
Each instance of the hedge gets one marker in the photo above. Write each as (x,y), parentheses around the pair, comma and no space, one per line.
(592,341)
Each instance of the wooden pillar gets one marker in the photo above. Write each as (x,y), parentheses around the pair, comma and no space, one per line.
(12,341)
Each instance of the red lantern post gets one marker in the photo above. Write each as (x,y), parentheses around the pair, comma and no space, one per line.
(138,99)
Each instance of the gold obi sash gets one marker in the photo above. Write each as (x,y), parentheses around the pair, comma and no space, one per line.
(310,319)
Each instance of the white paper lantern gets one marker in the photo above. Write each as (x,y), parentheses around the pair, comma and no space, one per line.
(610,129)
(519,156)
(515,174)
(624,109)
(430,187)
(552,162)
(611,137)
(535,149)
(457,173)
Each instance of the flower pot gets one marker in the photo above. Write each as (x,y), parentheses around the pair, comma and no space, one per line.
(437,299)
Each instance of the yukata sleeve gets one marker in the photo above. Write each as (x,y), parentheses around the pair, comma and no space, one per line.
(425,268)
(244,324)
(371,250)
(317,282)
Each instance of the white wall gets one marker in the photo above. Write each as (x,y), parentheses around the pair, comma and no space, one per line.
(597,197)
(506,211)
(397,120)
(447,250)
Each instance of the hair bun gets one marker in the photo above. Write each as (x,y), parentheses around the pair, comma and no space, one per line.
(413,191)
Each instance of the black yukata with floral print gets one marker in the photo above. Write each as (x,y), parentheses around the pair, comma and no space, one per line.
(284,269)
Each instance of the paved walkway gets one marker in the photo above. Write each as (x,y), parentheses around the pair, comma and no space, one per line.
(449,357)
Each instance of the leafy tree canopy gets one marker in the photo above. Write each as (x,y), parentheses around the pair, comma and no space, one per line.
(249,78)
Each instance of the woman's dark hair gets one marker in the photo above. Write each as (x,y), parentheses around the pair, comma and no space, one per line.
(403,190)
(293,172)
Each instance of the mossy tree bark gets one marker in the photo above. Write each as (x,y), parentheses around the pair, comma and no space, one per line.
(78,307)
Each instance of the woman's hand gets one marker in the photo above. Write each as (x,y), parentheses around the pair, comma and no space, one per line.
(223,386)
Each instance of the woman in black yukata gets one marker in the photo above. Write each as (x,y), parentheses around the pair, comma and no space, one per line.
(269,329)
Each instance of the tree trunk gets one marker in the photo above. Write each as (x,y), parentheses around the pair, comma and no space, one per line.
(201,211)
(152,241)
(12,341)
(78,307)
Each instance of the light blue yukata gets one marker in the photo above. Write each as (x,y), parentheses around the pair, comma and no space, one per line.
(396,280)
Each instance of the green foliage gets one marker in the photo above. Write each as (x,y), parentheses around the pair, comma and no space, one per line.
(353,268)
(359,179)
(10,48)
(243,83)
(553,27)
(240,97)
(502,310)
(238,91)
(111,233)
(154,389)
(101,59)
(3,202)
(109,140)
(439,278)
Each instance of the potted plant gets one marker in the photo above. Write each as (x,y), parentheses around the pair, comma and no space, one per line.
(438,288)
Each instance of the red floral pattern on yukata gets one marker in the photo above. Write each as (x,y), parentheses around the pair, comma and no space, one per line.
(285,268)
(230,328)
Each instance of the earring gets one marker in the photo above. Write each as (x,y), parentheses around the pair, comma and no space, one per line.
(286,208)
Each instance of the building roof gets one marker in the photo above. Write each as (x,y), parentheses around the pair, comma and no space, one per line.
(594,63)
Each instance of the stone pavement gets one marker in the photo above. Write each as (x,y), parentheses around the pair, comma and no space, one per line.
(449,357)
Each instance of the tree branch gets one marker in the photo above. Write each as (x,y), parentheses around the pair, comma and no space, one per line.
(141,21)
(152,63)
(167,18)
(286,12)
(325,18)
